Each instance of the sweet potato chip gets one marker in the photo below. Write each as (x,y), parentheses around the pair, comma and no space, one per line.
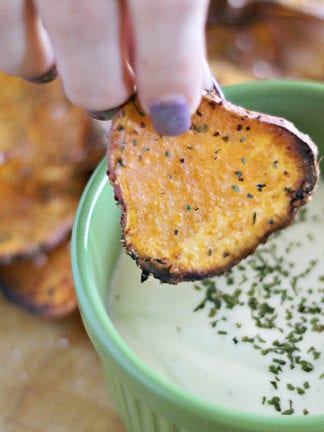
(40,125)
(47,149)
(36,217)
(195,205)
(264,39)
(43,285)
(251,10)
(300,7)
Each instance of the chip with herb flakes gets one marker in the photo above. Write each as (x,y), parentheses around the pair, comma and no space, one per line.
(195,205)
(43,285)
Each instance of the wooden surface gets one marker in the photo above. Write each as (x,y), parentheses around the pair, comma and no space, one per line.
(50,377)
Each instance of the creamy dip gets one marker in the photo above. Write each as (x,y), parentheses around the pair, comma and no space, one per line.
(252,339)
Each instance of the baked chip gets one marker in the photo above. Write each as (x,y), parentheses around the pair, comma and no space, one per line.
(39,124)
(43,285)
(36,217)
(48,147)
(195,205)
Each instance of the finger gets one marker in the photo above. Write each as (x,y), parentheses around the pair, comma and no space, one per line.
(25,49)
(89,48)
(169,59)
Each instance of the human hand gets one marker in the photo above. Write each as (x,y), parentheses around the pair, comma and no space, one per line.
(103,49)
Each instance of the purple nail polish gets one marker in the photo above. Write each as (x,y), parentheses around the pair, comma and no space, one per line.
(171,116)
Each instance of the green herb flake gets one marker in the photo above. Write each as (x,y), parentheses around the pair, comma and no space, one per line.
(290,410)
(238,174)
(274,384)
(260,186)
(212,312)
(247,339)
(188,207)
(167,154)
(306,366)
(275,401)
(306,385)
(121,163)
(236,188)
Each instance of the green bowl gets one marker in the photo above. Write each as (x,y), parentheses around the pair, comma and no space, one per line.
(146,401)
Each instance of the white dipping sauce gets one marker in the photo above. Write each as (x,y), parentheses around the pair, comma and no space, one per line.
(219,352)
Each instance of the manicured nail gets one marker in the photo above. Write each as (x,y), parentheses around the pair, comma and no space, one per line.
(47,77)
(108,114)
(171,116)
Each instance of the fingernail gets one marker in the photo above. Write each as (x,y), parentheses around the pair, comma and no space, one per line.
(214,88)
(211,85)
(47,77)
(171,116)
(108,114)
(217,88)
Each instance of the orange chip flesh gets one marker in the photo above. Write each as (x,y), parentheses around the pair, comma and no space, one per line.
(48,147)
(40,125)
(195,205)
(43,285)
(38,216)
